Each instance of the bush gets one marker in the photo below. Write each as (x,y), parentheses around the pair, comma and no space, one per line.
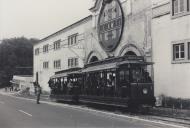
(176,103)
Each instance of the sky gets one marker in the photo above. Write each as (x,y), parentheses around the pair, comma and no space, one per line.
(39,18)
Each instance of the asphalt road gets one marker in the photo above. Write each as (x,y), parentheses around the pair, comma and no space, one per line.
(22,113)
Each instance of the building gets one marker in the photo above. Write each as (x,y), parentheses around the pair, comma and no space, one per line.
(21,82)
(171,47)
(61,50)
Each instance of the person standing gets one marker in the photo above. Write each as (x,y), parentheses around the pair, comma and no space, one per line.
(38,92)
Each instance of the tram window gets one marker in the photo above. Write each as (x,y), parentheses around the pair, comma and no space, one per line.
(139,75)
(65,79)
(101,75)
(110,79)
(135,75)
(127,75)
(122,75)
(110,76)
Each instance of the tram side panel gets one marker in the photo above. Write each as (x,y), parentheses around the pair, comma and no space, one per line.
(97,88)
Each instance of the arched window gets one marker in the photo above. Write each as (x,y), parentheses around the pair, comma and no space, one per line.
(93,59)
(130,53)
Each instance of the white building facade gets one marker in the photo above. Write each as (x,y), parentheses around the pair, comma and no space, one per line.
(171,47)
(59,51)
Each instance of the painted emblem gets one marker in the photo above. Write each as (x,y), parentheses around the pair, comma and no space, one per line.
(110,24)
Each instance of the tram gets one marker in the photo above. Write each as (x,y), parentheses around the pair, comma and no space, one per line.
(65,85)
(121,81)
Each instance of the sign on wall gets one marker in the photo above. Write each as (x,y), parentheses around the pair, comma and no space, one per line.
(110,24)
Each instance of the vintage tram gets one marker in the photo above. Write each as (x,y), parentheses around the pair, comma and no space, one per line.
(121,81)
(65,85)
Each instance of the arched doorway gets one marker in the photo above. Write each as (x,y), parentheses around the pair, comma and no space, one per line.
(93,59)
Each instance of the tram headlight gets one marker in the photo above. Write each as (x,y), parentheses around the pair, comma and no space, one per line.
(145,91)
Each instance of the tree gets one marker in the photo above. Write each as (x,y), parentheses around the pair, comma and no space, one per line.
(14,53)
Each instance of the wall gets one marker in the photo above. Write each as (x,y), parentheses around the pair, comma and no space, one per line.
(170,79)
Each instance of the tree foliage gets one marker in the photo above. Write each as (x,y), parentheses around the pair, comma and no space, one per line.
(15,53)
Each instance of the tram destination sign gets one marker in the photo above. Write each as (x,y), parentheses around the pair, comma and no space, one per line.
(110,24)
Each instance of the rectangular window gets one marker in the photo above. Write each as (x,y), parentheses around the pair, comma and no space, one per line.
(73,62)
(45,48)
(57,64)
(37,51)
(57,44)
(72,40)
(178,51)
(180,7)
(45,65)
(181,51)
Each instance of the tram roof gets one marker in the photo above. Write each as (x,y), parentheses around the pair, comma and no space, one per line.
(64,73)
(100,67)
(113,63)
(116,59)
(58,75)
(107,64)
(70,70)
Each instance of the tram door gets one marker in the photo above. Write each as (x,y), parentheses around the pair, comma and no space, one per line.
(124,82)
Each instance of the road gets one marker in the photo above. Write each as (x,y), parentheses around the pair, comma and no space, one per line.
(23,113)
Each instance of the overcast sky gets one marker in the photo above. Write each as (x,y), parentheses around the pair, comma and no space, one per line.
(39,18)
